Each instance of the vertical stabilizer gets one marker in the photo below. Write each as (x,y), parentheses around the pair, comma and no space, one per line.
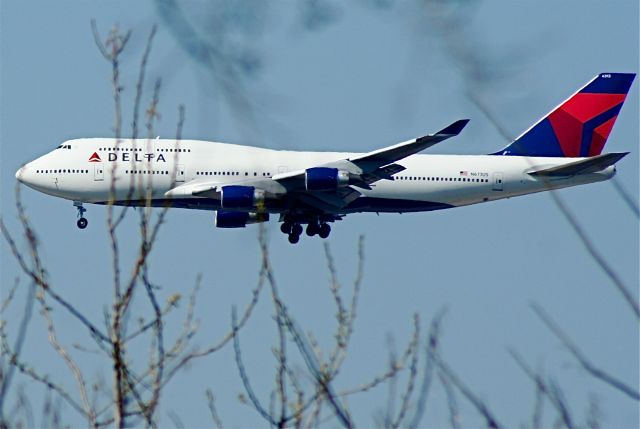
(580,126)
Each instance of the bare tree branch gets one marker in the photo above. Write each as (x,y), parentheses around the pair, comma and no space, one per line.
(626,197)
(212,409)
(549,389)
(536,418)
(478,403)
(243,373)
(431,350)
(6,376)
(581,357)
(37,274)
(413,374)
(452,404)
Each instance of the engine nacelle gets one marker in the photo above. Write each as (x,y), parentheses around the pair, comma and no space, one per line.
(325,179)
(241,197)
(238,219)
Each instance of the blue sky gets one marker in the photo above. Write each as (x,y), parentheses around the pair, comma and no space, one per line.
(366,78)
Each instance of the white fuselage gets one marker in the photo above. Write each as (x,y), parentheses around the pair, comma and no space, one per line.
(134,169)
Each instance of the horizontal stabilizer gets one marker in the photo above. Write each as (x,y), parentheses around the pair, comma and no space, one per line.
(584,166)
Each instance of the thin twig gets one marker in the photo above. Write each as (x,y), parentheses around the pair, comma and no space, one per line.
(431,349)
(212,409)
(582,358)
(478,403)
(243,373)
(413,374)
(626,197)
(547,389)
(7,376)
(452,404)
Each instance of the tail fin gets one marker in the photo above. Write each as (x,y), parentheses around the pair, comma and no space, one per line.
(580,126)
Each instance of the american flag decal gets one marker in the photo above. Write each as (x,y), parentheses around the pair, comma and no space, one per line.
(464,173)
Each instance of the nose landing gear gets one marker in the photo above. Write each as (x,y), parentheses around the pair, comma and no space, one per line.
(82,221)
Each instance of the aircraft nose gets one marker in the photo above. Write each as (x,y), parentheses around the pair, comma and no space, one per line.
(20,174)
(24,174)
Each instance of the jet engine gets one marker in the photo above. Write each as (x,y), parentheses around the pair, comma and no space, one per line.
(325,179)
(238,219)
(241,197)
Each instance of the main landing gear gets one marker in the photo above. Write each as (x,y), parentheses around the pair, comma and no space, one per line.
(294,230)
(82,221)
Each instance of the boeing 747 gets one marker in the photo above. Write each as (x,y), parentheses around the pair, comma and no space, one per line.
(245,185)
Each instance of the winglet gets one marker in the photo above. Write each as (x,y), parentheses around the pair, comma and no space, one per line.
(455,128)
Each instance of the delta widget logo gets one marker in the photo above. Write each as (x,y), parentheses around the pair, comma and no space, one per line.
(95,157)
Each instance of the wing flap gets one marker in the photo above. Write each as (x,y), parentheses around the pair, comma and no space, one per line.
(211,188)
(385,172)
(326,200)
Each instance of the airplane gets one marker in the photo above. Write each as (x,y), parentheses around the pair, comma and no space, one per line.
(244,185)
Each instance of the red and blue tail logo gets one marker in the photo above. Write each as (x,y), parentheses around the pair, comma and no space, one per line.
(580,126)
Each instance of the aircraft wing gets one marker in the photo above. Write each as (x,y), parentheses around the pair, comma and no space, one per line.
(373,166)
(378,158)
(362,171)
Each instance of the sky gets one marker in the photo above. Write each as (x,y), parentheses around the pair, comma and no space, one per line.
(352,77)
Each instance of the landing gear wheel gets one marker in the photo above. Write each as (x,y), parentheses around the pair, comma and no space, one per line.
(312,229)
(324,230)
(82,222)
(294,238)
(286,228)
(296,229)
